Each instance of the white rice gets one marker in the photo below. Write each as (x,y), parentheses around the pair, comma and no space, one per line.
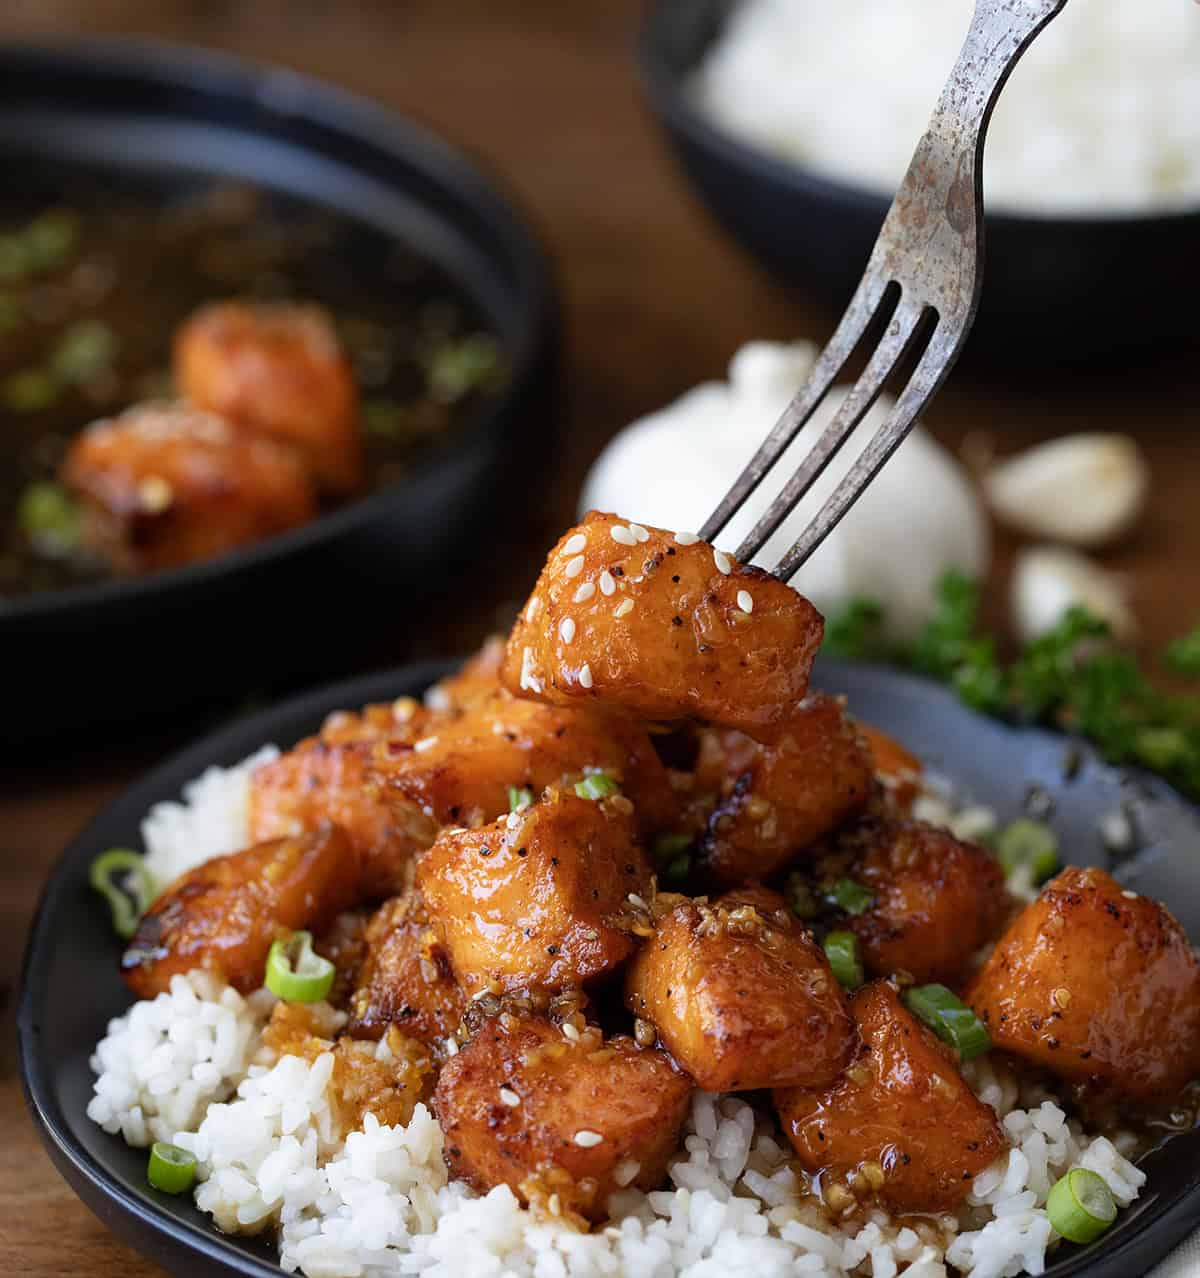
(168,1058)
(187,1067)
(212,819)
(1102,114)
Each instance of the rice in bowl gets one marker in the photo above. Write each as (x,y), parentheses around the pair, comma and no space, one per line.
(191,1067)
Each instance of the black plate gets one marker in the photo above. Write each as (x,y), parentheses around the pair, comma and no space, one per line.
(70,987)
(1055,287)
(161,116)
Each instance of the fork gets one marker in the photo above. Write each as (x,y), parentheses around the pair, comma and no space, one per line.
(923,279)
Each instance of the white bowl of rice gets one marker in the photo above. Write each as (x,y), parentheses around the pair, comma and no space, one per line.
(796,119)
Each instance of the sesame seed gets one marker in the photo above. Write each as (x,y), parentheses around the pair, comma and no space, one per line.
(721,559)
(626,1172)
(403,709)
(1062,996)
(437,698)
(509,1097)
(566,629)
(686,538)
(451,1046)
(608,583)
(1130,896)
(621,534)
(624,608)
(533,607)
(637,901)
(585,592)
(570,1032)
(483,993)
(587,1140)
(554,1205)
(585,676)
(575,567)
(745,601)
(512,820)
(639,532)
(574,544)
(155,494)
(425,743)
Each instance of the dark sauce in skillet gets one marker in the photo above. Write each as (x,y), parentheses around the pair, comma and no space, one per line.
(95,278)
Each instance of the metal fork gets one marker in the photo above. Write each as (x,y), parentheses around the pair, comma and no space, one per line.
(928,260)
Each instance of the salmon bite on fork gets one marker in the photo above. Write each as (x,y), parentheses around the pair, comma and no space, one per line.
(662,626)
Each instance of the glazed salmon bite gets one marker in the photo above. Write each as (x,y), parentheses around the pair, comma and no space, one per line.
(660,625)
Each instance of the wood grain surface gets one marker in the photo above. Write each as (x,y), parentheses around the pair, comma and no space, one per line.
(656,300)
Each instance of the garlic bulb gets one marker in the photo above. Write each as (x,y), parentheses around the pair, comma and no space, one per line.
(920,517)
(1084,490)
(1047,580)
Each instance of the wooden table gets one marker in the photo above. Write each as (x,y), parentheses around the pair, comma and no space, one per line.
(656,300)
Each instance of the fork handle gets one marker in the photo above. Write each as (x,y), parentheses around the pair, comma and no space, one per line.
(943,188)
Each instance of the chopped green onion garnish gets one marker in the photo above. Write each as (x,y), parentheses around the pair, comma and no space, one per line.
(841,949)
(50,239)
(383,418)
(296,973)
(121,877)
(667,847)
(518,799)
(596,786)
(84,350)
(678,869)
(459,367)
(849,896)
(171,1169)
(30,390)
(950,1019)
(1081,1206)
(800,897)
(48,516)
(1025,842)
(11,313)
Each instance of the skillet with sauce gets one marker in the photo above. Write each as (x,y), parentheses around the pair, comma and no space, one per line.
(96,282)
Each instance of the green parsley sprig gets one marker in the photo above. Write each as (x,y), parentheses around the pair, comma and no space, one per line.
(1074,678)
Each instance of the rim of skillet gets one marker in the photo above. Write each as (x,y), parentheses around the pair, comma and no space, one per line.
(664,81)
(225,746)
(273,91)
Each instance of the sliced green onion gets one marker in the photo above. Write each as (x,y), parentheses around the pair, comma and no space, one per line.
(50,239)
(11,313)
(121,877)
(678,869)
(518,798)
(171,1169)
(596,786)
(950,1019)
(669,846)
(29,390)
(296,973)
(48,516)
(459,367)
(850,896)
(841,949)
(800,897)
(1025,842)
(1081,1206)
(84,351)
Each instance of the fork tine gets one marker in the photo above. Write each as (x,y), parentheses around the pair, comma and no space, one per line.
(893,346)
(863,308)
(931,371)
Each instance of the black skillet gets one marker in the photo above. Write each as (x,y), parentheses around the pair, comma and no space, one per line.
(70,988)
(171,117)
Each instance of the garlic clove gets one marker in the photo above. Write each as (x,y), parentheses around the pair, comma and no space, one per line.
(1083,490)
(1047,580)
